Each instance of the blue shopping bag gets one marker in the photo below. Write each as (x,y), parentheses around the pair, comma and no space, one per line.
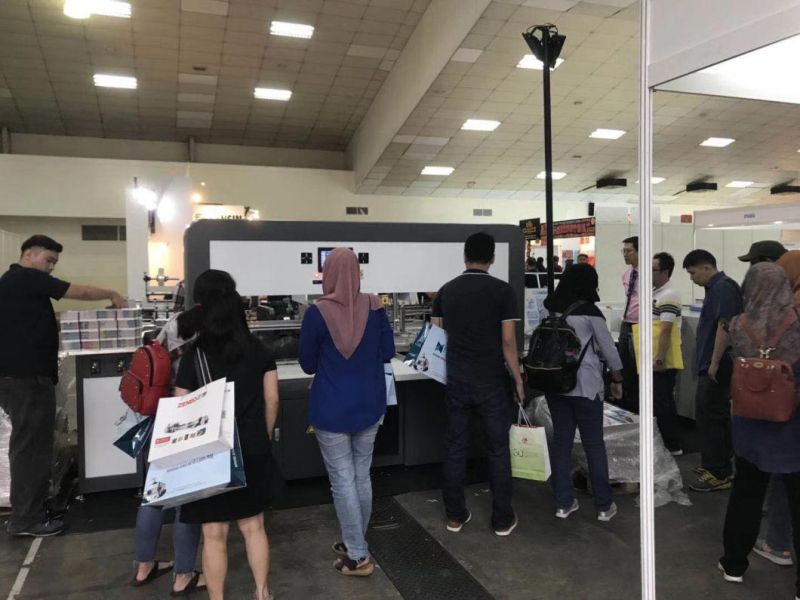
(135,439)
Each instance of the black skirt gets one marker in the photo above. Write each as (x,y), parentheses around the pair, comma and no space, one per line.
(263,483)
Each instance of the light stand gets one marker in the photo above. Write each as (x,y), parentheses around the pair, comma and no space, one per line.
(547,50)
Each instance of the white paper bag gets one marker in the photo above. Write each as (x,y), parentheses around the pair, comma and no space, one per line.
(190,426)
(200,477)
(431,361)
(391,390)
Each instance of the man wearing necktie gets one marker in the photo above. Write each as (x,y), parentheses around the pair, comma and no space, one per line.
(630,382)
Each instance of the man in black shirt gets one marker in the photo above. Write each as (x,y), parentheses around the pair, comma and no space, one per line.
(480,315)
(28,373)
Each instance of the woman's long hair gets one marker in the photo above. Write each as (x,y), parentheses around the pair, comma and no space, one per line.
(218,317)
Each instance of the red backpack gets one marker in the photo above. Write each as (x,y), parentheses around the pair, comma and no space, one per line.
(147,380)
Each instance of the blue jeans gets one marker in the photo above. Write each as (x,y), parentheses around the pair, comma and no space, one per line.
(185,538)
(493,404)
(348,458)
(777,527)
(569,413)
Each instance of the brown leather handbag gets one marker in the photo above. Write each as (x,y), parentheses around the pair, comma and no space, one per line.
(763,388)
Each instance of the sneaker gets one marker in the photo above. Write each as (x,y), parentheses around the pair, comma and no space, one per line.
(607,515)
(729,577)
(43,529)
(677,452)
(709,483)
(783,559)
(698,470)
(507,530)
(563,513)
(456,526)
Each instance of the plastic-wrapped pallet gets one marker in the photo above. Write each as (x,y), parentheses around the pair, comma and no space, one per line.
(621,435)
(5,469)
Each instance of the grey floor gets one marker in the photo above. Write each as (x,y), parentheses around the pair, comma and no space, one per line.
(544,558)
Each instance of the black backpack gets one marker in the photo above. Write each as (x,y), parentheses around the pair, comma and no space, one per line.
(555,355)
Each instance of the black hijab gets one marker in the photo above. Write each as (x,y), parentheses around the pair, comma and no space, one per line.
(578,284)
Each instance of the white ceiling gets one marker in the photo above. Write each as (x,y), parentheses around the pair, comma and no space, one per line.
(197,72)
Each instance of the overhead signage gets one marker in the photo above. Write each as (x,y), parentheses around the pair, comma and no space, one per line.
(530,228)
(223,211)
(572,228)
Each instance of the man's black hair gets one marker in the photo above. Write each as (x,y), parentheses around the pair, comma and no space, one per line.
(41,241)
(698,258)
(582,254)
(665,262)
(634,240)
(479,248)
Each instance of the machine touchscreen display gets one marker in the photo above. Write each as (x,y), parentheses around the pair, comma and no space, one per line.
(322,255)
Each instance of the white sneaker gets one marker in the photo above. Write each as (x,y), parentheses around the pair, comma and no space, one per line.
(563,513)
(731,578)
(457,526)
(607,515)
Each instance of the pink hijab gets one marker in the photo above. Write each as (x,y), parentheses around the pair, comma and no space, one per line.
(343,306)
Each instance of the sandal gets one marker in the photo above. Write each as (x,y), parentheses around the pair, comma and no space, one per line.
(154,573)
(347,566)
(339,549)
(191,587)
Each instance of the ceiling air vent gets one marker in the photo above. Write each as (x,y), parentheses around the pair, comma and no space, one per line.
(611,182)
(701,187)
(481,212)
(102,233)
(785,188)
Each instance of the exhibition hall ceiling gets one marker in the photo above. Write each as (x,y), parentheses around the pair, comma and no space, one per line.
(197,63)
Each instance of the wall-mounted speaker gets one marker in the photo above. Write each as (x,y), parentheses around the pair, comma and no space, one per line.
(591,209)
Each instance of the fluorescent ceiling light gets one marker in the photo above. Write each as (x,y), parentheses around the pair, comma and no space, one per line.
(115,81)
(777,222)
(83,9)
(555,175)
(529,61)
(607,134)
(272,94)
(656,180)
(717,142)
(429,170)
(295,30)
(480,125)
(739,184)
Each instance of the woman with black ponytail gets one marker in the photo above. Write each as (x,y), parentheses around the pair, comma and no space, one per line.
(234,353)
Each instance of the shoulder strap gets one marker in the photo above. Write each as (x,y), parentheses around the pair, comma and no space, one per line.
(789,318)
(571,308)
(585,348)
(201,367)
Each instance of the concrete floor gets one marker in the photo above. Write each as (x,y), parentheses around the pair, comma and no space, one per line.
(545,558)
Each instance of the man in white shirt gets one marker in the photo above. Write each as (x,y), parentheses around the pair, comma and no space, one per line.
(667,313)
(630,316)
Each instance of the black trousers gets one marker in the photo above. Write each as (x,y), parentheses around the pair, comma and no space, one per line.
(630,375)
(31,405)
(664,407)
(743,517)
(713,417)
(493,404)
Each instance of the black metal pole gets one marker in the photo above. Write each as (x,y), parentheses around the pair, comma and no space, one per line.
(548,159)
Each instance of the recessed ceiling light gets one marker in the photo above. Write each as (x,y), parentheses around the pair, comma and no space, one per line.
(555,174)
(717,142)
(656,180)
(777,222)
(429,170)
(115,81)
(607,134)
(272,94)
(197,197)
(480,125)
(295,30)
(83,9)
(739,184)
(529,61)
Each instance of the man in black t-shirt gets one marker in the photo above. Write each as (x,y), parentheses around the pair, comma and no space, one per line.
(28,373)
(479,313)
